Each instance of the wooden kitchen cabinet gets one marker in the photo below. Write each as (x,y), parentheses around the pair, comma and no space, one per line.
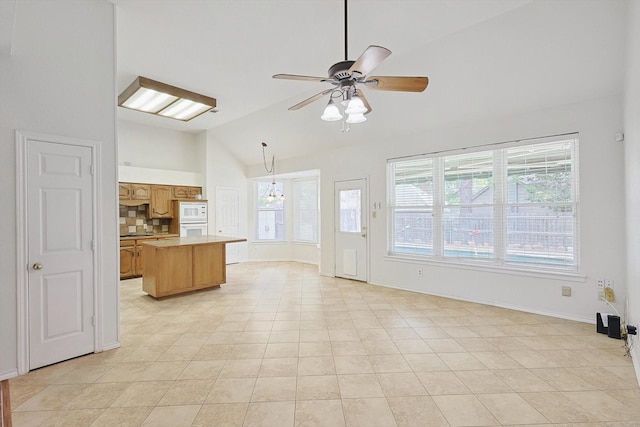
(130,191)
(185,264)
(127,261)
(132,255)
(185,192)
(160,203)
(139,264)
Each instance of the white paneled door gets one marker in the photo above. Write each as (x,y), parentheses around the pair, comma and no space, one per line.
(228,219)
(351,229)
(60,254)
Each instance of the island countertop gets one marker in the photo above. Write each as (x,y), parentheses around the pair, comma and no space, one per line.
(191,241)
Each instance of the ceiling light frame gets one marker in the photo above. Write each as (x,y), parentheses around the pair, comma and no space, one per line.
(166,100)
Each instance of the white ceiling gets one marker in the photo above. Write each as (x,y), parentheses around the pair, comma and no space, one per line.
(484,58)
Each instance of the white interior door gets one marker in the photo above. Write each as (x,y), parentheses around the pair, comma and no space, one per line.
(228,219)
(60,255)
(351,229)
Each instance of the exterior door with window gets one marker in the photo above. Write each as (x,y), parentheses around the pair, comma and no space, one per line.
(351,229)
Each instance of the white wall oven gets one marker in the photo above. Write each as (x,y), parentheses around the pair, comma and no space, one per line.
(192,217)
(193,229)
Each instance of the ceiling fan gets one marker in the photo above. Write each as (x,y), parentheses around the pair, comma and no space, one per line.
(346,77)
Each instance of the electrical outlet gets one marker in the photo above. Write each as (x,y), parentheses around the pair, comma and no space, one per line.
(600,284)
(566,291)
(600,295)
(419,272)
(608,283)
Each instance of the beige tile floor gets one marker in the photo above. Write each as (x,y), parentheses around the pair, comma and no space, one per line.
(280,346)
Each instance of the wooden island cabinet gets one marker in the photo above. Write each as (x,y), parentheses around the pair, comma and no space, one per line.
(184,264)
(131,254)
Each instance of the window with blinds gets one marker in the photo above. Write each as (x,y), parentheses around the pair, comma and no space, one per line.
(305,210)
(270,213)
(512,205)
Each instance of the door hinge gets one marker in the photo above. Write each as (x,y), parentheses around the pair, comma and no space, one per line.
(93,320)
(92,170)
(93,245)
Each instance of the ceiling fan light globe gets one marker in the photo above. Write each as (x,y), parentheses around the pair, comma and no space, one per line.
(331,112)
(355,106)
(356,118)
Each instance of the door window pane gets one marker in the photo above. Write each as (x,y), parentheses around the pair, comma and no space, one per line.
(350,211)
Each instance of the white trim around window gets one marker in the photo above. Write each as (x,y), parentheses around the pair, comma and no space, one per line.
(512,206)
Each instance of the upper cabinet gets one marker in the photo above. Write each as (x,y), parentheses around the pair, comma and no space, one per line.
(184,192)
(129,191)
(158,197)
(160,203)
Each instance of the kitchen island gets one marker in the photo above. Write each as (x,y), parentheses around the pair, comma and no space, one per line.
(184,264)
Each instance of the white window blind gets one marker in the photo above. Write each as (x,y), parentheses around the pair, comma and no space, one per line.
(514,204)
(305,210)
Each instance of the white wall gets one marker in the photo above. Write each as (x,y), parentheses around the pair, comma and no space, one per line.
(157,148)
(60,80)
(632,171)
(224,170)
(602,231)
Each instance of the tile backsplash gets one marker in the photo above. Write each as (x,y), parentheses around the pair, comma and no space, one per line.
(133,220)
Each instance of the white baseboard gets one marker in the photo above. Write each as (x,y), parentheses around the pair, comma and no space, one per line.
(8,375)
(111,346)
(494,304)
(635,356)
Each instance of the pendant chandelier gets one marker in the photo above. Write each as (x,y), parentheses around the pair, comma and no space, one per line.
(274,193)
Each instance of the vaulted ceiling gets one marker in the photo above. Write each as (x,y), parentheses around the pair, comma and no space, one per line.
(485,59)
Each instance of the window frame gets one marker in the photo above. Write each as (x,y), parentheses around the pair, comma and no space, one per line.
(296,211)
(500,211)
(258,209)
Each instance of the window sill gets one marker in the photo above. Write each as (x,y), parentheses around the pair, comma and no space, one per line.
(505,269)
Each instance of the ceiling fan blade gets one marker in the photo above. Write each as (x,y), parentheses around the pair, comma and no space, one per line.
(370,59)
(297,77)
(364,100)
(402,84)
(310,100)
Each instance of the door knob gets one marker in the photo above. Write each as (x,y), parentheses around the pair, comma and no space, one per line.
(38,266)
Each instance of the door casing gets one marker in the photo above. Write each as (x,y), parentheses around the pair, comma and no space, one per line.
(222,229)
(364,223)
(22,256)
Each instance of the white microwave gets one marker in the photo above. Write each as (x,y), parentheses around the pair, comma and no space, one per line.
(189,212)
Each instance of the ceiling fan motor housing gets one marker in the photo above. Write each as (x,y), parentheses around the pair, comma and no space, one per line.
(340,70)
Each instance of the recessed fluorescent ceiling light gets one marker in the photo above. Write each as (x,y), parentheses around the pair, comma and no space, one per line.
(165,100)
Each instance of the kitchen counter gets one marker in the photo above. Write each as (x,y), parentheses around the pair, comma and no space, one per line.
(195,240)
(184,264)
(147,236)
